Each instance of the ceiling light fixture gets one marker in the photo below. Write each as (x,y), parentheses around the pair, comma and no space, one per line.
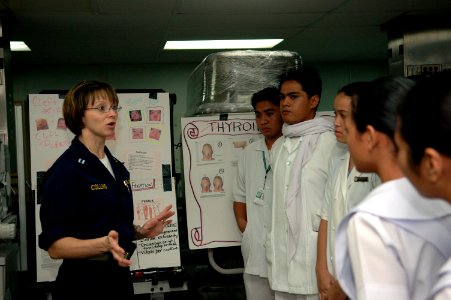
(222,44)
(18,46)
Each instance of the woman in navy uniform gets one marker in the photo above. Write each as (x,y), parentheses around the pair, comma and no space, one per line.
(87,206)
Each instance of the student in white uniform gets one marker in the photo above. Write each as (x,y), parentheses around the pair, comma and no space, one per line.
(345,188)
(424,154)
(252,191)
(300,162)
(391,244)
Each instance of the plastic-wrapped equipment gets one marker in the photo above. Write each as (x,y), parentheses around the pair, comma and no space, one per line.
(225,81)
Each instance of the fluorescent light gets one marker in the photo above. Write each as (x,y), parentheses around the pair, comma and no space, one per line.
(222,44)
(18,46)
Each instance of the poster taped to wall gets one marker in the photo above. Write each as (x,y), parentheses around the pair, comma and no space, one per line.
(142,141)
(211,149)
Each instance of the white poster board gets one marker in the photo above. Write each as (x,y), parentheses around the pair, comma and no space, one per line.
(142,141)
(210,218)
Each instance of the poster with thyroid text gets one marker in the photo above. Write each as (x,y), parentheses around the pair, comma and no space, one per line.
(211,149)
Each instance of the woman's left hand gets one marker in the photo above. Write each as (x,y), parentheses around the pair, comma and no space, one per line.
(156,225)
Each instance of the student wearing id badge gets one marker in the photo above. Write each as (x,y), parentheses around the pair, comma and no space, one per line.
(252,194)
(260,195)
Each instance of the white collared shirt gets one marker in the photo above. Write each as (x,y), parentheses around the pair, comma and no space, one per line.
(250,179)
(297,276)
(343,192)
(393,243)
(442,288)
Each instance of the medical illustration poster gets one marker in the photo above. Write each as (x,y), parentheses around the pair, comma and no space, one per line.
(142,141)
(211,148)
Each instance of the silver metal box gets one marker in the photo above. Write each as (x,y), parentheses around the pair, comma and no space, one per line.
(225,81)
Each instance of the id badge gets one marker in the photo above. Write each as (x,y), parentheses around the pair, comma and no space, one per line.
(259,196)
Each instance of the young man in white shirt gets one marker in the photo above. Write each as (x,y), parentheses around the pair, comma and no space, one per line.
(253,194)
(300,164)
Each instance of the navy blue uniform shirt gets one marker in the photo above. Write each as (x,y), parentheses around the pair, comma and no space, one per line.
(81,199)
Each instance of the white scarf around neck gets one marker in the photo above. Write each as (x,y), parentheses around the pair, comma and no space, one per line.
(310,132)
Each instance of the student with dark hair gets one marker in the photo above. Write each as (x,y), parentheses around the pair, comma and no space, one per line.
(390,245)
(424,152)
(345,188)
(310,79)
(300,164)
(252,194)
(87,206)
(270,94)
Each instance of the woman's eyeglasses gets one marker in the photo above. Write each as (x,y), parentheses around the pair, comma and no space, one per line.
(104,109)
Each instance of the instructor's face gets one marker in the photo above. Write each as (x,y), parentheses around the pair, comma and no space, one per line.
(99,124)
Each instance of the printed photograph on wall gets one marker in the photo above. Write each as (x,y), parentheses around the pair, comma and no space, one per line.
(210,151)
(135,115)
(155,115)
(137,133)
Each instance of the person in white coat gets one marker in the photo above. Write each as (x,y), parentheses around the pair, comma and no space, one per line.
(392,243)
(424,151)
(345,188)
(252,194)
(300,162)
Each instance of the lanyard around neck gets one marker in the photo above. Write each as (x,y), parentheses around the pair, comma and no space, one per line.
(267,168)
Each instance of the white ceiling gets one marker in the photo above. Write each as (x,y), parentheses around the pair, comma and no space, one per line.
(135,31)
